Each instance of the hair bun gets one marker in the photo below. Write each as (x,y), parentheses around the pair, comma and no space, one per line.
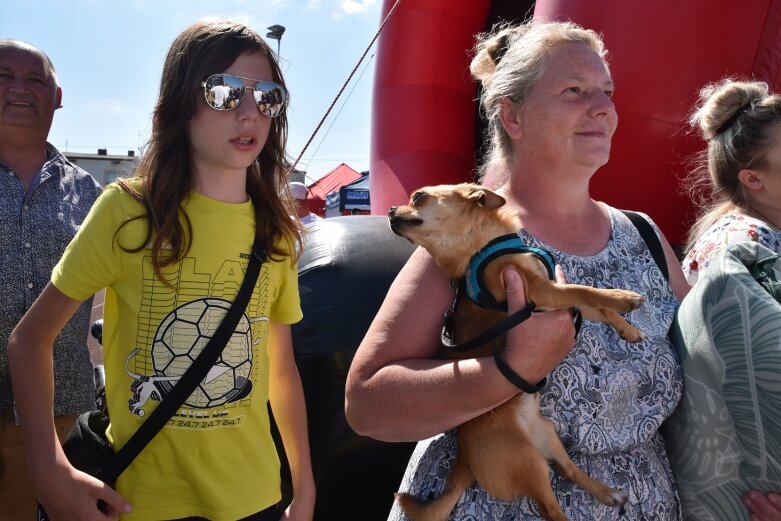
(491,47)
(722,103)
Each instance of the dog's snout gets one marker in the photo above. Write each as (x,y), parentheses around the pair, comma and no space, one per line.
(392,211)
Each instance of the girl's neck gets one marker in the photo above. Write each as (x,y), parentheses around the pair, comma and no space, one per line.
(227,188)
(769,215)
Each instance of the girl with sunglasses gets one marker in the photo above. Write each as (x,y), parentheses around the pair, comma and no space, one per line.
(169,244)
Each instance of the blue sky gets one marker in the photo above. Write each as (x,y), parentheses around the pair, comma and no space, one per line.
(109,55)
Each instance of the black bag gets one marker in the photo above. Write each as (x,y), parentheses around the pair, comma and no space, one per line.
(86,445)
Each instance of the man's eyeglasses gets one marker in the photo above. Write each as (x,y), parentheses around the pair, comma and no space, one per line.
(225,92)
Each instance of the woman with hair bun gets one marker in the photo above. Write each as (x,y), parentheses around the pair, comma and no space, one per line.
(547,98)
(741,171)
(723,439)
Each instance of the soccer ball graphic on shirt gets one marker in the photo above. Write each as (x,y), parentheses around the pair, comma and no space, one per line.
(179,339)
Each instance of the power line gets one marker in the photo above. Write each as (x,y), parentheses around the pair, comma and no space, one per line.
(352,73)
(328,130)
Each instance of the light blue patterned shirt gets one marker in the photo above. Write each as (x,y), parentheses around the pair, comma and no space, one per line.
(35,228)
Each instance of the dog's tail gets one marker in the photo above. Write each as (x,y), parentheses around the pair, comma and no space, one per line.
(439,509)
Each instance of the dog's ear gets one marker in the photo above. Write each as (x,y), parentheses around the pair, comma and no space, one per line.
(493,200)
(487,198)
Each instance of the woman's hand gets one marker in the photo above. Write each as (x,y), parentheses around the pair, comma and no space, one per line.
(535,347)
(763,507)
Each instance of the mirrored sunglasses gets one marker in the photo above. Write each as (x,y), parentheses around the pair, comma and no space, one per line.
(226,91)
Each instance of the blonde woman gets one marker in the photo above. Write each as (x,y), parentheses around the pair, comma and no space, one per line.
(547,97)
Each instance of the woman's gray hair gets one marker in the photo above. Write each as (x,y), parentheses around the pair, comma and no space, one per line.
(508,61)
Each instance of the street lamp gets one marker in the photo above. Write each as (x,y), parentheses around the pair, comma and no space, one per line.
(275,32)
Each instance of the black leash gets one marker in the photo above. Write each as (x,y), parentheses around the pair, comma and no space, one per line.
(490,335)
(514,377)
(501,327)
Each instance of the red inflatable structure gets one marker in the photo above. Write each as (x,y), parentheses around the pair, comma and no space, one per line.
(426,129)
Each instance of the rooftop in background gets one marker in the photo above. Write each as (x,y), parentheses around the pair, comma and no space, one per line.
(103,167)
(333,180)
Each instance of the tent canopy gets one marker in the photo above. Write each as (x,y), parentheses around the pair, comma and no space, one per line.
(332,181)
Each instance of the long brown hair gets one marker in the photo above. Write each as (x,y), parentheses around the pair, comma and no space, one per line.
(166,169)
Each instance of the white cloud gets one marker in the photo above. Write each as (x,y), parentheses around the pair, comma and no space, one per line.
(107,107)
(242,17)
(349,7)
(254,4)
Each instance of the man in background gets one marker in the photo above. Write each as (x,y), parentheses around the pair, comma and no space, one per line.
(43,201)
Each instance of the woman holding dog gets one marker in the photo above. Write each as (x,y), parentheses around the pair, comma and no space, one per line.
(547,96)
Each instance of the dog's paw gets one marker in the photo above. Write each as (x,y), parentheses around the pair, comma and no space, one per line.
(627,300)
(631,334)
(617,498)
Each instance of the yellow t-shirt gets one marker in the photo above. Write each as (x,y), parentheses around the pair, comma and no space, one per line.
(215,458)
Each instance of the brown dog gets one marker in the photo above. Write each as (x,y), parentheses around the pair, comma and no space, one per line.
(505,450)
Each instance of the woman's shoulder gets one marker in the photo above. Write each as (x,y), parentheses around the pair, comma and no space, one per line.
(734,228)
(112,200)
(122,191)
(634,226)
(729,229)
(628,217)
(286,242)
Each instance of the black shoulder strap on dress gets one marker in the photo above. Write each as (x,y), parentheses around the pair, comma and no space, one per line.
(192,377)
(652,241)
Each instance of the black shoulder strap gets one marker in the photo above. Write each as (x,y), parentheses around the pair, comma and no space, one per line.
(191,378)
(651,240)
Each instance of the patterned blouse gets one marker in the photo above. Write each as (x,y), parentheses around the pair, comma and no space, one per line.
(729,229)
(607,400)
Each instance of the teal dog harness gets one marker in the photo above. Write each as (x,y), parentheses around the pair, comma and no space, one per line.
(474,283)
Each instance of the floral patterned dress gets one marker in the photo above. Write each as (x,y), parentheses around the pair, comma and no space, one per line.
(607,400)
(730,229)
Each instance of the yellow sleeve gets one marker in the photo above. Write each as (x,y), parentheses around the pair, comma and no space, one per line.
(91,261)
(287,307)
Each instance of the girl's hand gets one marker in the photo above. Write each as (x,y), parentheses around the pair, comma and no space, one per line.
(69,494)
(763,507)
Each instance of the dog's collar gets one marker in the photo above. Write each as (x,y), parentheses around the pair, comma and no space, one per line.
(474,283)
